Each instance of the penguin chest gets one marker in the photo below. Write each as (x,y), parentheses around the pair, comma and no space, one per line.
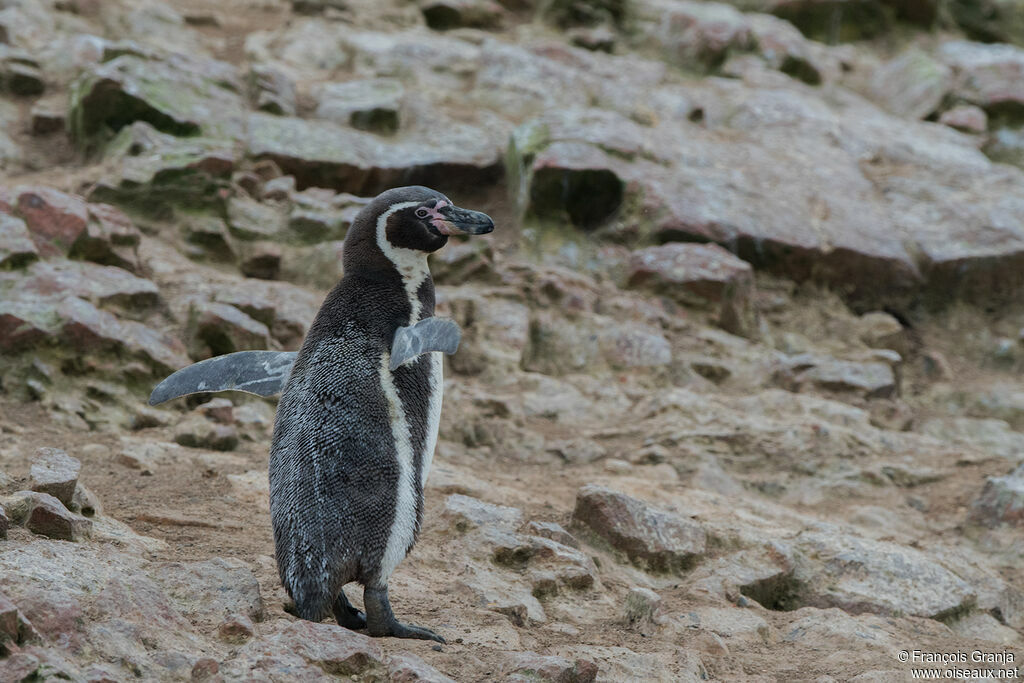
(413,393)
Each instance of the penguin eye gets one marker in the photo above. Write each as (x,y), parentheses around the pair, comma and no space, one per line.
(422,213)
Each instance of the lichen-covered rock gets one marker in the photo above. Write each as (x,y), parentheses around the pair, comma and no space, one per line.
(661,540)
(181,95)
(55,472)
(152,172)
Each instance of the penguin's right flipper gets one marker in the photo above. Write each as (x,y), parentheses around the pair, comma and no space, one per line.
(429,334)
(256,372)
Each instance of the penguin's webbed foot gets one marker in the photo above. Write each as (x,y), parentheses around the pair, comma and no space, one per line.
(380,620)
(346,615)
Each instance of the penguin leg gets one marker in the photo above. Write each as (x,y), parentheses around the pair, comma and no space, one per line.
(380,620)
(346,615)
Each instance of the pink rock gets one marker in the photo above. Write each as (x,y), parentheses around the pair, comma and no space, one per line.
(48,517)
(966,117)
(54,219)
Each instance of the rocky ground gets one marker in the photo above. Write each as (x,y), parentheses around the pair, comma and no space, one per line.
(740,392)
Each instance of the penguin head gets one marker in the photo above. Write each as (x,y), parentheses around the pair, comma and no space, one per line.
(412,218)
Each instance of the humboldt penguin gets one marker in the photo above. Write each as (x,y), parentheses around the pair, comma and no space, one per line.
(358,420)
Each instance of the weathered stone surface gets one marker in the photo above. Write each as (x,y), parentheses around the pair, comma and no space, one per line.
(303,650)
(104,286)
(990,76)
(405,667)
(467,513)
(373,105)
(532,666)
(868,379)
(285,309)
(990,20)
(862,575)
(831,21)
(55,472)
(55,220)
(83,596)
(703,275)
(151,170)
(110,238)
(49,517)
(16,246)
(88,328)
(198,432)
(181,95)
(325,155)
(912,85)
(442,15)
(5,522)
(1001,500)
(211,590)
(252,220)
(698,35)
(661,540)
(271,90)
(215,329)
(566,13)
(643,605)
(966,118)
(558,345)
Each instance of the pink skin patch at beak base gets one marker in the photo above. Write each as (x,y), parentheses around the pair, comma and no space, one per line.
(438,221)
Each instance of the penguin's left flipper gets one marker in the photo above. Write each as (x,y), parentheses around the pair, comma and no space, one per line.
(429,334)
(256,372)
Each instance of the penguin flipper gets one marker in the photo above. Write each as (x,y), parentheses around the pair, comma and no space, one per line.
(429,334)
(255,372)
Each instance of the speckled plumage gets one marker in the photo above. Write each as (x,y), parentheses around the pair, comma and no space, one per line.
(347,465)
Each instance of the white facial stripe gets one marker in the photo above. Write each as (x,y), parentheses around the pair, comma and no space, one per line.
(410,263)
(403,527)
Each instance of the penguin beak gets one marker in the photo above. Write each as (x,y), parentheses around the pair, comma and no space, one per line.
(450,219)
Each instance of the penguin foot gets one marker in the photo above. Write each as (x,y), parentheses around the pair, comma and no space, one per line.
(380,620)
(346,615)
